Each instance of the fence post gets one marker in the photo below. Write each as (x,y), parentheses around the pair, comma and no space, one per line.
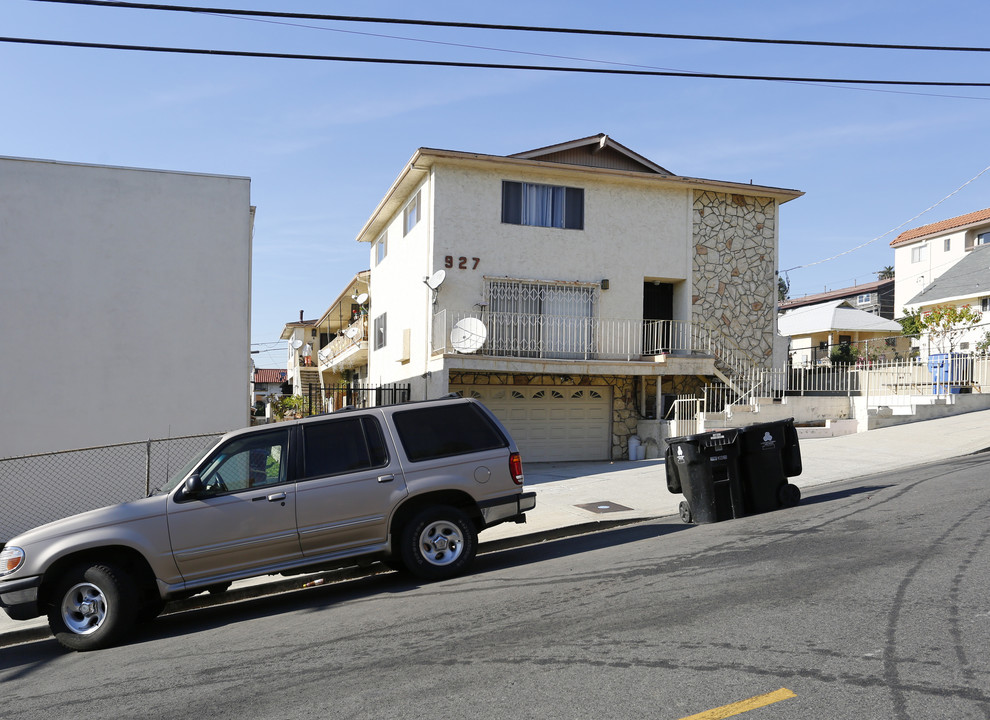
(147,468)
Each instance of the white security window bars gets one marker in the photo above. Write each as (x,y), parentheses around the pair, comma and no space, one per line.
(538,319)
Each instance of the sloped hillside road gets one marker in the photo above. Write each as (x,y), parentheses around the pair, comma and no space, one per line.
(869,599)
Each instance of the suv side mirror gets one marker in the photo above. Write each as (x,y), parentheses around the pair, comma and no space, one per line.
(193,486)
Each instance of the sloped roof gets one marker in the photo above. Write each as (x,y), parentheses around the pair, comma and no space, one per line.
(967,278)
(942,226)
(596,151)
(834,315)
(269,375)
(839,294)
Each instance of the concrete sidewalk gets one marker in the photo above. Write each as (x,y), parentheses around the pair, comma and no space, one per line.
(575,497)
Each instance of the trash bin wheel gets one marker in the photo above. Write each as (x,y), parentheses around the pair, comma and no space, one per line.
(685,511)
(789,495)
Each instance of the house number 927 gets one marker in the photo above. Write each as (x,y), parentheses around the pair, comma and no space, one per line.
(461,263)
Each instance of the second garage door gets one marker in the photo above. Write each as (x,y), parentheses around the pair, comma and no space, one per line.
(551,423)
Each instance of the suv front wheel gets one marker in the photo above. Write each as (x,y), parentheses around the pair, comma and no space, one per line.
(92,607)
(438,543)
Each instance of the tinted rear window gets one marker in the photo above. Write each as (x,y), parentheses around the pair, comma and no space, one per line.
(445,430)
(340,446)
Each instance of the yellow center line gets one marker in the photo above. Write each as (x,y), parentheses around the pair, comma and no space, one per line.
(743,705)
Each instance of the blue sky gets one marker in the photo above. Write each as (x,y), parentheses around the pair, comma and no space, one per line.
(323,141)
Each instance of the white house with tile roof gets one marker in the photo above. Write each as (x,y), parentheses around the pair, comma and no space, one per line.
(923,254)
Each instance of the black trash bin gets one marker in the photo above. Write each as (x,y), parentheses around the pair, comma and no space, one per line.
(705,467)
(769,454)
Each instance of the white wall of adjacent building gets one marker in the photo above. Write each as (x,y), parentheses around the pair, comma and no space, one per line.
(127,304)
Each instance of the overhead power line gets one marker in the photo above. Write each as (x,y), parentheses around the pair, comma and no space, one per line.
(517,28)
(494,66)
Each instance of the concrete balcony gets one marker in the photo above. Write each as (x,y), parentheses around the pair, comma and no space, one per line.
(348,350)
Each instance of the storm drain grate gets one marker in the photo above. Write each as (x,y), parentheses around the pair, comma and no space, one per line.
(603,507)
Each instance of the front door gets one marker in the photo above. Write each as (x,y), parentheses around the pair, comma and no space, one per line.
(245,518)
(658,315)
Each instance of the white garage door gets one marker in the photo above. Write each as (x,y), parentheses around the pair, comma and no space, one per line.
(550,423)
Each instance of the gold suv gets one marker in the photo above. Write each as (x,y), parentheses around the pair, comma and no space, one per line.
(410,485)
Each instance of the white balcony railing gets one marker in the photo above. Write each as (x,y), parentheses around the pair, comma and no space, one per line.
(351,340)
(565,337)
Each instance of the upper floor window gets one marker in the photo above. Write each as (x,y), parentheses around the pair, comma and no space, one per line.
(982,238)
(412,214)
(380,332)
(917,253)
(864,299)
(947,244)
(381,248)
(542,205)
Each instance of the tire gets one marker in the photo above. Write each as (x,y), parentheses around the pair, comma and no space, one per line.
(684,510)
(93,606)
(438,543)
(789,495)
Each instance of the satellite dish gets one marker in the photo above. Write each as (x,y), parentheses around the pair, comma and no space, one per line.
(468,335)
(436,279)
(352,332)
(362,298)
(297,343)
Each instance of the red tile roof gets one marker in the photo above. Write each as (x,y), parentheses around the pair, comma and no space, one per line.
(941,226)
(269,375)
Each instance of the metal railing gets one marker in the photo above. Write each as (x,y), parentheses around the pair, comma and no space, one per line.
(565,337)
(44,487)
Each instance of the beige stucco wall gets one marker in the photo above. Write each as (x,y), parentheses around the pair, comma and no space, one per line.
(126,300)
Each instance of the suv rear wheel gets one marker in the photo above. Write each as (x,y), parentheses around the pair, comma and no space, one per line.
(438,543)
(92,606)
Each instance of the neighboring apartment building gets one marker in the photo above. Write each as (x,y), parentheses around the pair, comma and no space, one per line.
(965,283)
(572,288)
(923,254)
(873,297)
(116,284)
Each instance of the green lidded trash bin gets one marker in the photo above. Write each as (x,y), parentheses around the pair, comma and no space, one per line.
(706,468)
(769,454)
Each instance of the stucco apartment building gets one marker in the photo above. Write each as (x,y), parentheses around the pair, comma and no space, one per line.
(574,288)
(119,286)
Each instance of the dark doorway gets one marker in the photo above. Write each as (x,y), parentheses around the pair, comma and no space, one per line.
(658,316)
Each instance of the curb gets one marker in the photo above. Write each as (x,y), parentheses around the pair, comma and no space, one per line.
(302,581)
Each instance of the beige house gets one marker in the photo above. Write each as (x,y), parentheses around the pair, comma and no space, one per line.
(815,331)
(574,289)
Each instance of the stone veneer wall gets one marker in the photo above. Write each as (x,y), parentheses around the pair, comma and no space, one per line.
(625,418)
(735,274)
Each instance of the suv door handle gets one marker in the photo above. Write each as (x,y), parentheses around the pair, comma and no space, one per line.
(275,497)
(386,478)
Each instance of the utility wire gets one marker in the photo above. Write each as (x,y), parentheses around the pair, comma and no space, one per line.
(892,230)
(517,28)
(492,66)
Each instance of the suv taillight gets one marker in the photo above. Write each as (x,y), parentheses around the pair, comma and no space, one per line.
(515,468)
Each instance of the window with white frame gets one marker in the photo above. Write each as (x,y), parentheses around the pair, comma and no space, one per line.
(985,304)
(917,254)
(412,214)
(380,330)
(864,299)
(542,205)
(381,248)
(947,244)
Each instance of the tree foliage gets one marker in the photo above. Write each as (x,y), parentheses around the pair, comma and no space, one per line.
(945,324)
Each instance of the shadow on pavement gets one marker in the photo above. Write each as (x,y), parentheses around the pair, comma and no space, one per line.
(842,494)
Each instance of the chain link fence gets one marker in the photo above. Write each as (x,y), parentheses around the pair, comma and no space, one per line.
(48,486)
